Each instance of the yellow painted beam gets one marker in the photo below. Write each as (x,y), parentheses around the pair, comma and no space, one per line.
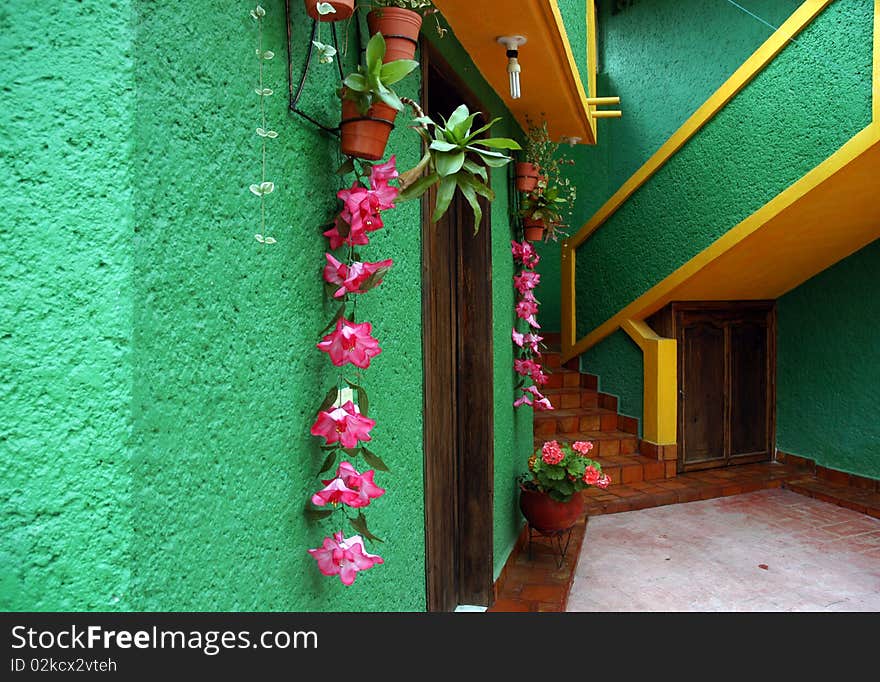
(551,82)
(660,361)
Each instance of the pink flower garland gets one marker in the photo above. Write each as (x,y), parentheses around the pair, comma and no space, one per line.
(351,343)
(528,342)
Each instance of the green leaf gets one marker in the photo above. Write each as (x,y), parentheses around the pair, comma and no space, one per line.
(373,460)
(471,197)
(346,167)
(396,70)
(329,399)
(389,98)
(418,188)
(360,525)
(329,462)
(457,117)
(447,163)
(499,143)
(483,129)
(463,129)
(332,323)
(443,146)
(479,187)
(476,169)
(487,152)
(356,82)
(363,401)
(444,197)
(375,52)
(492,160)
(316,514)
(352,452)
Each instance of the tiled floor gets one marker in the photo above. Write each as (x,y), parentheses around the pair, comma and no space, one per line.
(772,550)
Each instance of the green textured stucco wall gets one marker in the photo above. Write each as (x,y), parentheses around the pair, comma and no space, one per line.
(160,374)
(664,60)
(828,367)
(65,322)
(512,427)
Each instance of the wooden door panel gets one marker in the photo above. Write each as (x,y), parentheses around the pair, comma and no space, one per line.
(748,389)
(703,386)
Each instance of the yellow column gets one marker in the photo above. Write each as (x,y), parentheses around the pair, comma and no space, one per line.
(661,382)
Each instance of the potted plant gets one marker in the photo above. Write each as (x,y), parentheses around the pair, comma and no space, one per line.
(550,493)
(329,10)
(545,208)
(456,158)
(400,22)
(369,106)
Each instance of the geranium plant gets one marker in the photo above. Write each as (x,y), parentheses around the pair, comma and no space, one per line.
(562,469)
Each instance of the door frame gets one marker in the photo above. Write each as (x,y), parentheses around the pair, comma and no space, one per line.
(458,426)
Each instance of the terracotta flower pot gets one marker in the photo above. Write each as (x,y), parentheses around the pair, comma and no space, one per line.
(366,136)
(344,9)
(534,229)
(546,514)
(400,28)
(526,176)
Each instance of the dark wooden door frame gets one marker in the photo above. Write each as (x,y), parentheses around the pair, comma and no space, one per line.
(458,393)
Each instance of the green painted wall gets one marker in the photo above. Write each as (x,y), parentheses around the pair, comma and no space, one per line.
(618,363)
(828,367)
(65,322)
(160,374)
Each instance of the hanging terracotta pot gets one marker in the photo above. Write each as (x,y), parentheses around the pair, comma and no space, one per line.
(365,137)
(546,514)
(400,28)
(526,176)
(534,229)
(344,9)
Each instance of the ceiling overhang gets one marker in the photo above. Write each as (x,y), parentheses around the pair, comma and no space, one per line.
(551,83)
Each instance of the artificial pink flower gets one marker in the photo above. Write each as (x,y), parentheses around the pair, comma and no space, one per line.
(357,236)
(343,425)
(539,377)
(526,281)
(532,341)
(544,405)
(350,279)
(344,557)
(352,343)
(518,338)
(533,322)
(348,487)
(528,295)
(379,176)
(582,446)
(551,453)
(525,367)
(592,475)
(526,309)
(604,482)
(525,253)
(524,400)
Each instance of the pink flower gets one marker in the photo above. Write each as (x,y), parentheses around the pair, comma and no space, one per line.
(348,487)
(525,367)
(379,177)
(357,236)
(526,281)
(352,343)
(592,475)
(582,446)
(529,295)
(524,400)
(539,377)
(544,404)
(344,557)
(518,338)
(526,309)
(604,482)
(551,453)
(525,253)
(343,425)
(532,341)
(350,279)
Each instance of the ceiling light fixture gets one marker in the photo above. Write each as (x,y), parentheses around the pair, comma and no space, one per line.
(513,43)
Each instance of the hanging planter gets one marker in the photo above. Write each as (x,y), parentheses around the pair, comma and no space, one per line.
(343,9)
(526,176)
(365,136)
(400,27)
(534,229)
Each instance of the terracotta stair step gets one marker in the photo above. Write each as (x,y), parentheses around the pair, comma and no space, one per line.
(576,420)
(607,443)
(634,468)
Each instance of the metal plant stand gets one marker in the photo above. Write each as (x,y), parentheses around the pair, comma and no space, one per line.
(559,542)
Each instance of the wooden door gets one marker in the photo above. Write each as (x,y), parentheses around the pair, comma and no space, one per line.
(726,382)
(458,397)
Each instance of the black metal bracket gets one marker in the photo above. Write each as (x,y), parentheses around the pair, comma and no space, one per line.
(295,96)
(557,543)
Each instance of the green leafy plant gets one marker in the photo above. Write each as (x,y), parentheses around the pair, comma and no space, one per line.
(561,470)
(456,158)
(370,84)
(420,6)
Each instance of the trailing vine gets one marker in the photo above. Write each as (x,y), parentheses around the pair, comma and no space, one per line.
(264,187)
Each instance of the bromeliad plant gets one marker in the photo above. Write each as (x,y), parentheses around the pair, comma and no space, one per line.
(371,82)
(561,469)
(456,158)
(344,424)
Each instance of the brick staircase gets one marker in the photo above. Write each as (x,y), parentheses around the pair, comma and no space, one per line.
(584,413)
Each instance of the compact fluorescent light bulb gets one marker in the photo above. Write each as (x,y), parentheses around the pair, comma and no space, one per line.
(512,43)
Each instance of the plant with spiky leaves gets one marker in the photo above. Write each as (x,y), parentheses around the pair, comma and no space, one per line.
(456,158)
(371,83)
